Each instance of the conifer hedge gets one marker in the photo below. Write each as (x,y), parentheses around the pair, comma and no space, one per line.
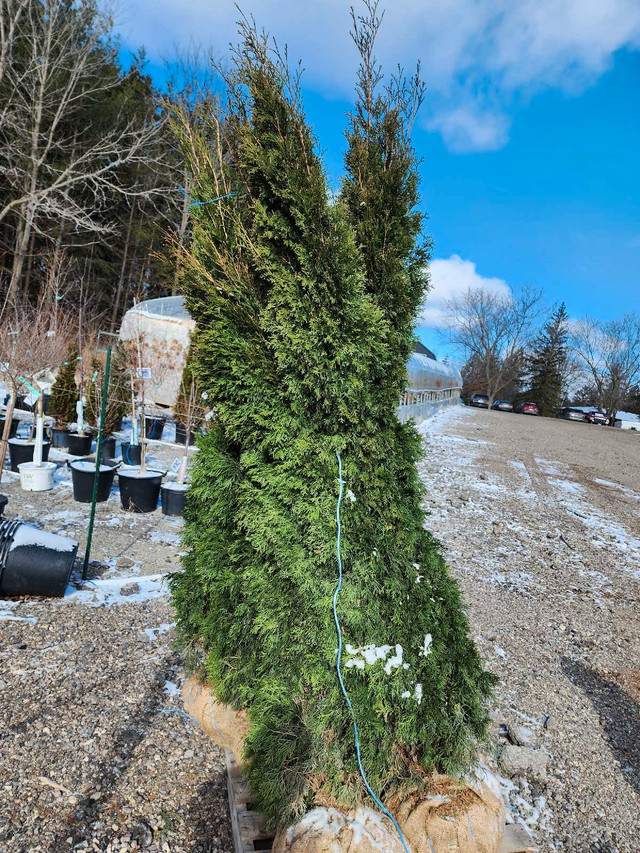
(304,323)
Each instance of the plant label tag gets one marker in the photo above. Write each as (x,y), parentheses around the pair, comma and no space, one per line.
(175,465)
(144,372)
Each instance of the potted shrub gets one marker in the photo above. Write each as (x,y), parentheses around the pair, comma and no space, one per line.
(32,341)
(117,399)
(189,410)
(163,359)
(189,416)
(63,399)
(139,486)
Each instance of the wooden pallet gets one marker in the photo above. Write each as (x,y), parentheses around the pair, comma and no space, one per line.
(249,828)
(250,832)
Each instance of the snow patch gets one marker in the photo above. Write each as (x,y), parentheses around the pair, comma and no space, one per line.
(153,633)
(160,538)
(26,535)
(426,648)
(371,654)
(107,591)
(8,616)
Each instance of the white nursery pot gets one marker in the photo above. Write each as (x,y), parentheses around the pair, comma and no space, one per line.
(34,478)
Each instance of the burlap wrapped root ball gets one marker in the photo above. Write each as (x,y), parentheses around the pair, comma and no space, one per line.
(328,830)
(468,818)
(464,817)
(228,728)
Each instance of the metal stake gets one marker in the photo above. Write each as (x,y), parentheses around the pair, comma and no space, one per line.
(96,477)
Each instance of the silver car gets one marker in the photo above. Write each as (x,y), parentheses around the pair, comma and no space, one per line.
(569,414)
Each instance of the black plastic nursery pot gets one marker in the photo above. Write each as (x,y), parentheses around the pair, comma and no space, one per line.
(174,498)
(34,562)
(82,476)
(181,435)
(59,437)
(22,451)
(79,445)
(4,500)
(140,490)
(154,427)
(12,429)
(108,450)
(131,453)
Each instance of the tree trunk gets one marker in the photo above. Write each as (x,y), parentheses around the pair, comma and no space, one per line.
(7,429)
(125,255)
(181,234)
(23,234)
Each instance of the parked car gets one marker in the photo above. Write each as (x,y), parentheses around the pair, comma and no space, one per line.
(479,400)
(596,417)
(502,405)
(569,414)
(526,409)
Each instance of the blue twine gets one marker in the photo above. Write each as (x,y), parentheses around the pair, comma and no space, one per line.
(179,711)
(195,203)
(342,687)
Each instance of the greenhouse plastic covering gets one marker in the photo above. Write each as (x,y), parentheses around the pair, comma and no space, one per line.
(165,306)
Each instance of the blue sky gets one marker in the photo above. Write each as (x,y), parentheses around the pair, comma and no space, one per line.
(530,135)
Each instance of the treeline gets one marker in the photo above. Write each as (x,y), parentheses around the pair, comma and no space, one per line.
(90,208)
(514,351)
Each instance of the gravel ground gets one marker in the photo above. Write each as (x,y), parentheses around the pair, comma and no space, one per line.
(541,524)
(92,755)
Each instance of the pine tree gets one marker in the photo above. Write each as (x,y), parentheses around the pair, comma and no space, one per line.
(64,393)
(299,356)
(547,364)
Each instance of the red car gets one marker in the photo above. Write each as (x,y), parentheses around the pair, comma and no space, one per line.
(526,409)
(596,418)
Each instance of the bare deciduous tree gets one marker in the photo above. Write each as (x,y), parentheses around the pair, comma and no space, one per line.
(609,354)
(32,340)
(493,328)
(56,168)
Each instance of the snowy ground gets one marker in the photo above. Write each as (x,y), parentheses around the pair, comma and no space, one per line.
(541,525)
(94,752)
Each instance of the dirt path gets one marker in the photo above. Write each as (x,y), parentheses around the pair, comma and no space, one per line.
(541,524)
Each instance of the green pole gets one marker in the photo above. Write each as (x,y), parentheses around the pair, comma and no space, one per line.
(96,476)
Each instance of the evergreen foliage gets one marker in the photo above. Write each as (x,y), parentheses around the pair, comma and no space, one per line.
(64,393)
(380,191)
(547,364)
(299,346)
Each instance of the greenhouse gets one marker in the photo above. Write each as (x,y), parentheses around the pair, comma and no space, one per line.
(165,327)
(431,385)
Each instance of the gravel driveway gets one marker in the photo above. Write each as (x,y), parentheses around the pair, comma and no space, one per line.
(93,755)
(541,523)
(540,520)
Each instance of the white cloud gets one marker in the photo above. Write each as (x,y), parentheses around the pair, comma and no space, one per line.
(478,56)
(470,128)
(451,277)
